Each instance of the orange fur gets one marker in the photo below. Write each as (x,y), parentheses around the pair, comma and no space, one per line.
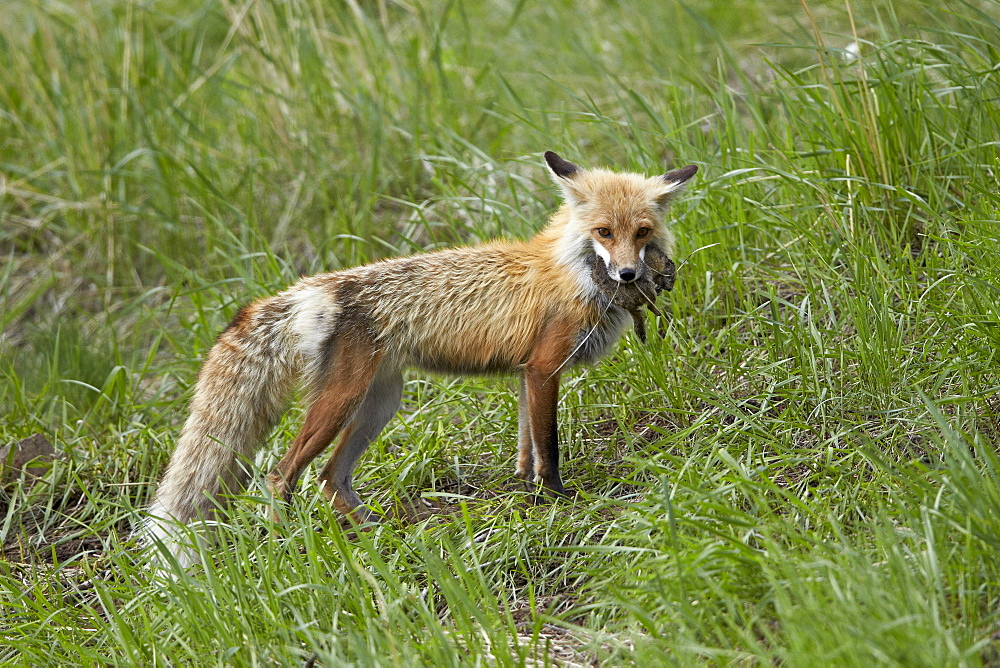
(525,307)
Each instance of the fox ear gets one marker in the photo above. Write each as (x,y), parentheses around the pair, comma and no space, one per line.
(679,176)
(564,174)
(672,182)
(562,169)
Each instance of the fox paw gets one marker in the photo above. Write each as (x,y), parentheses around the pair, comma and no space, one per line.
(546,494)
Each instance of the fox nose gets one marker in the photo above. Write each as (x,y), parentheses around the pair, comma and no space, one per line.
(626,275)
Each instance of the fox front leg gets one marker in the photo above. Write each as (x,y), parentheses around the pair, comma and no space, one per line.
(541,385)
(525,449)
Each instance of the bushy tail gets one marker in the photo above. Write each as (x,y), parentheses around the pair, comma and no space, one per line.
(241,393)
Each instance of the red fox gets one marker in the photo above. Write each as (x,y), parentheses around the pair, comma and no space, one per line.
(521,307)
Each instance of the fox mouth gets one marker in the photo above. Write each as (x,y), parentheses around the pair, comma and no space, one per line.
(620,276)
(662,272)
(606,280)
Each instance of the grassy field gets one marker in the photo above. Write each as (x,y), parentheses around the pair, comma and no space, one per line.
(803,471)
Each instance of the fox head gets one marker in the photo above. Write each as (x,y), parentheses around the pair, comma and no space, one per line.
(615,215)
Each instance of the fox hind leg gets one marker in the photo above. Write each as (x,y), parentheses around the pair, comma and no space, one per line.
(525,456)
(378,407)
(347,380)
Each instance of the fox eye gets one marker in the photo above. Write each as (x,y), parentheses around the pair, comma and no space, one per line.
(643,231)
(604,232)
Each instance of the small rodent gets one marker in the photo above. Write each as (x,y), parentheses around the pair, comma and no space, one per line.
(658,274)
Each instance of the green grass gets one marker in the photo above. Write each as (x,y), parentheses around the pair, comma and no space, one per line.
(802,471)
